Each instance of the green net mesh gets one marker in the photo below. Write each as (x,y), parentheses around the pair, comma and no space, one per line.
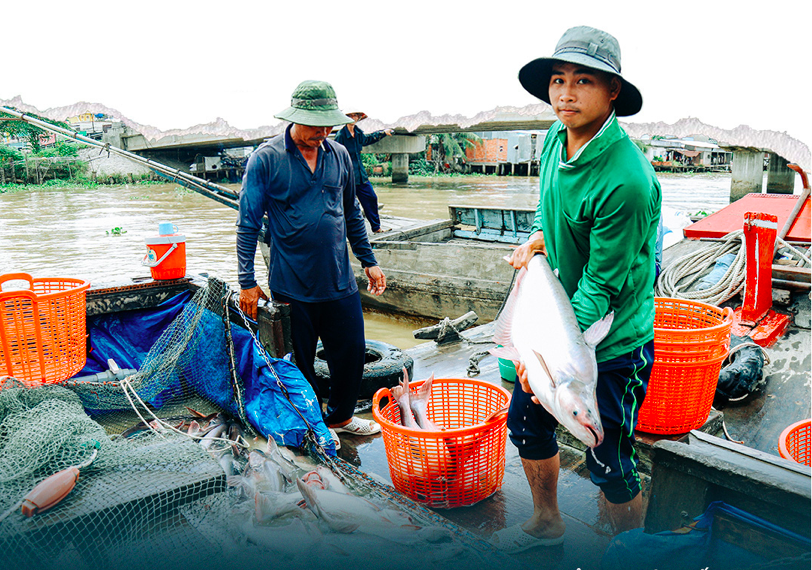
(123,501)
(161,495)
(191,365)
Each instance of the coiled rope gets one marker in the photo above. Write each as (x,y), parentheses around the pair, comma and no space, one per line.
(680,275)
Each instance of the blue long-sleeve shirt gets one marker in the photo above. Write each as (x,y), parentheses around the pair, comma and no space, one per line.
(354,144)
(311,216)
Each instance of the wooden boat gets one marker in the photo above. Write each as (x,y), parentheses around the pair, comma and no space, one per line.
(445,268)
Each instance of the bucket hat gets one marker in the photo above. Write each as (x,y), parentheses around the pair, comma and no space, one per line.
(314,104)
(591,48)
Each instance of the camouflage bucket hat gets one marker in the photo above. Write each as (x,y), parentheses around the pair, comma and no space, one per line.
(591,48)
(314,104)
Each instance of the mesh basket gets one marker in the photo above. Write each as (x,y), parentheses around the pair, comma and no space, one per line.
(793,444)
(42,328)
(691,339)
(460,465)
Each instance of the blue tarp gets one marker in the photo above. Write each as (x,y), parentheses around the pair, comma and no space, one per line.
(127,337)
(695,549)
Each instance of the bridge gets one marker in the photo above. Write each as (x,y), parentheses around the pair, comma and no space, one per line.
(748,146)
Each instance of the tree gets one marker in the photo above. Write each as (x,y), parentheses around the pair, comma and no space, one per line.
(448,148)
(23,131)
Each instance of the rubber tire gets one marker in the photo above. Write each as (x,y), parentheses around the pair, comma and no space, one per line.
(384,367)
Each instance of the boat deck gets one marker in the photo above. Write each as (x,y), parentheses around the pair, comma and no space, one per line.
(758,420)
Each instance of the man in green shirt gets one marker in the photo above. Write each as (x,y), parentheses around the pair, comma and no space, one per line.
(597,220)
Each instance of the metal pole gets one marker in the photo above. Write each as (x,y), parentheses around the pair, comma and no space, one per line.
(209,189)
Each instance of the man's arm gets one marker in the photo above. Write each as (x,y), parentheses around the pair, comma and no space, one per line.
(372,138)
(249,224)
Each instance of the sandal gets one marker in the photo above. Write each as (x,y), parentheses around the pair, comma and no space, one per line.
(514,539)
(358,426)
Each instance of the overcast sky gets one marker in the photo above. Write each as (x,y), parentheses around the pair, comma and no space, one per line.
(174,64)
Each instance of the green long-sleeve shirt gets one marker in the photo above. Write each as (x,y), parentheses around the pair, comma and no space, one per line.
(599,213)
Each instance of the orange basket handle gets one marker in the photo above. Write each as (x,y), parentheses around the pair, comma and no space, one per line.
(380,395)
(16,277)
(727,314)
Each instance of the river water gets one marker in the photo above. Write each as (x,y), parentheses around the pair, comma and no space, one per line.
(59,232)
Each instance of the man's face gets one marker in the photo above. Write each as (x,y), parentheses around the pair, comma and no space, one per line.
(355,117)
(582,97)
(311,137)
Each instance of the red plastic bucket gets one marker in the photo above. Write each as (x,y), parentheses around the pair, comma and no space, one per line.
(166,256)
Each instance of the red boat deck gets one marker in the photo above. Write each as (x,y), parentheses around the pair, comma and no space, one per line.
(731,218)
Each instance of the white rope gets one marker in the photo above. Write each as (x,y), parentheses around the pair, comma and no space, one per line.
(678,276)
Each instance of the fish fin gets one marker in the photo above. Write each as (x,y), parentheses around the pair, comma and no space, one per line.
(507,352)
(504,324)
(544,365)
(598,331)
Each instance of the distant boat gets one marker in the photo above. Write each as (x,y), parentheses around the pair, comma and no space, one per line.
(445,268)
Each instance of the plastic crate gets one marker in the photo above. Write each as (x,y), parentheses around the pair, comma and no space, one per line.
(42,328)
(793,443)
(691,339)
(460,465)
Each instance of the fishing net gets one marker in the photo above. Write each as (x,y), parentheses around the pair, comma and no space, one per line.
(126,497)
(150,495)
(191,365)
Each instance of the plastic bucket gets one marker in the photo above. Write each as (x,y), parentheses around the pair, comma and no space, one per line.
(166,256)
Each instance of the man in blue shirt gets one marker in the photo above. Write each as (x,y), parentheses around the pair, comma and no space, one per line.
(305,184)
(354,139)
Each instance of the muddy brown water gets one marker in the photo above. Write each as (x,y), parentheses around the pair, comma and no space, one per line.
(67,232)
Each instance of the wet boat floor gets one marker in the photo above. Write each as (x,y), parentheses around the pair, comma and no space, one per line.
(586,522)
(758,420)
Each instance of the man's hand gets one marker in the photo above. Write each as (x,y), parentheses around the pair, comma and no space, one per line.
(525,252)
(249,298)
(377,280)
(389,132)
(521,374)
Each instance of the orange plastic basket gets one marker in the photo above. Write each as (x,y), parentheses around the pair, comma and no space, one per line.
(793,443)
(42,328)
(460,465)
(691,339)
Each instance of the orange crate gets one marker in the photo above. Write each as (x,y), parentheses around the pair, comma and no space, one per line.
(793,443)
(691,339)
(459,466)
(42,328)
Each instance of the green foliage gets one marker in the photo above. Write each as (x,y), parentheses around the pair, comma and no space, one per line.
(421,167)
(369,159)
(453,145)
(117,231)
(8,153)
(26,131)
(62,148)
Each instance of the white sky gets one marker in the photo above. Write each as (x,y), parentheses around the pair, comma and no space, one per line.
(174,64)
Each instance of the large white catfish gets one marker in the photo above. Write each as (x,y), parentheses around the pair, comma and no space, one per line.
(538,327)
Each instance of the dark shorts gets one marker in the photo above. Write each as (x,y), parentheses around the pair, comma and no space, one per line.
(621,388)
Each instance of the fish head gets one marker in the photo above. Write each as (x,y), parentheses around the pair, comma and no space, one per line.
(577,409)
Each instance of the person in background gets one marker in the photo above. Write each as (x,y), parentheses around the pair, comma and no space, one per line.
(354,139)
(597,219)
(304,183)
